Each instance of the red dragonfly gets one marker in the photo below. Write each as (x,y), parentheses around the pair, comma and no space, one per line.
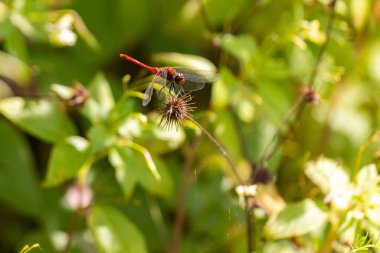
(177,78)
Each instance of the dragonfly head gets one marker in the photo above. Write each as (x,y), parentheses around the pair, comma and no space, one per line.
(179,78)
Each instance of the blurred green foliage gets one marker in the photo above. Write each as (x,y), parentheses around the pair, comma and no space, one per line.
(84,167)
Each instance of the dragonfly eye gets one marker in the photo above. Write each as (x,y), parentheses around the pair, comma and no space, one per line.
(179,78)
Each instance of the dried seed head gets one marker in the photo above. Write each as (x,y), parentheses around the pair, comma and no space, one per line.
(310,95)
(79,97)
(175,110)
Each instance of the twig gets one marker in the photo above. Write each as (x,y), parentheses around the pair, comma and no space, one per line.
(243,18)
(268,151)
(297,109)
(243,143)
(249,218)
(324,46)
(71,229)
(248,207)
(204,17)
(221,149)
(181,202)
(158,220)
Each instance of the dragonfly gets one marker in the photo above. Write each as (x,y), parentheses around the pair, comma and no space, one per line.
(176,78)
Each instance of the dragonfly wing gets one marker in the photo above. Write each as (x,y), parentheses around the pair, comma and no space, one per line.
(148,94)
(195,79)
(161,80)
(158,79)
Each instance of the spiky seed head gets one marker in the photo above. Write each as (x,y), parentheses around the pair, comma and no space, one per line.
(176,109)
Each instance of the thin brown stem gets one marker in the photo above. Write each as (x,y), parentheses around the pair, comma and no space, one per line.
(71,229)
(204,17)
(242,139)
(297,109)
(240,180)
(271,148)
(244,17)
(249,219)
(158,220)
(325,44)
(181,202)
(221,149)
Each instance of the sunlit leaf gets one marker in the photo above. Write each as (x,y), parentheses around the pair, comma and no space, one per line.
(101,92)
(312,31)
(132,125)
(283,246)
(373,215)
(28,248)
(22,23)
(327,175)
(243,47)
(83,31)
(124,173)
(295,220)
(101,138)
(14,69)
(15,45)
(245,109)
(269,199)
(222,11)
(224,89)
(67,158)
(113,232)
(373,60)
(185,60)
(18,182)
(360,10)
(133,162)
(41,118)
(63,92)
(367,179)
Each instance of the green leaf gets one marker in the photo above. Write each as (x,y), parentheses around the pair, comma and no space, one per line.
(185,60)
(113,232)
(18,183)
(131,163)
(101,92)
(15,45)
(67,158)
(41,118)
(367,179)
(327,175)
(83,31)
(101,138)
(224,88)
(243,47)
(360,11)
(28,248)
(124,174)
(221,12)
(62,91)
(14,69)
(295,220)
(283,246)
(373,214)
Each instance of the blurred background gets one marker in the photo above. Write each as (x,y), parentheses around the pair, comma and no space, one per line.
(84,167)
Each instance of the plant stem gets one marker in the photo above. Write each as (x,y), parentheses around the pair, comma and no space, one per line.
(71,229)
(248,208)
(204,17)
(243,144)
(324,46)
(221,149)
(297,109)
(184,186)
(249,218)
